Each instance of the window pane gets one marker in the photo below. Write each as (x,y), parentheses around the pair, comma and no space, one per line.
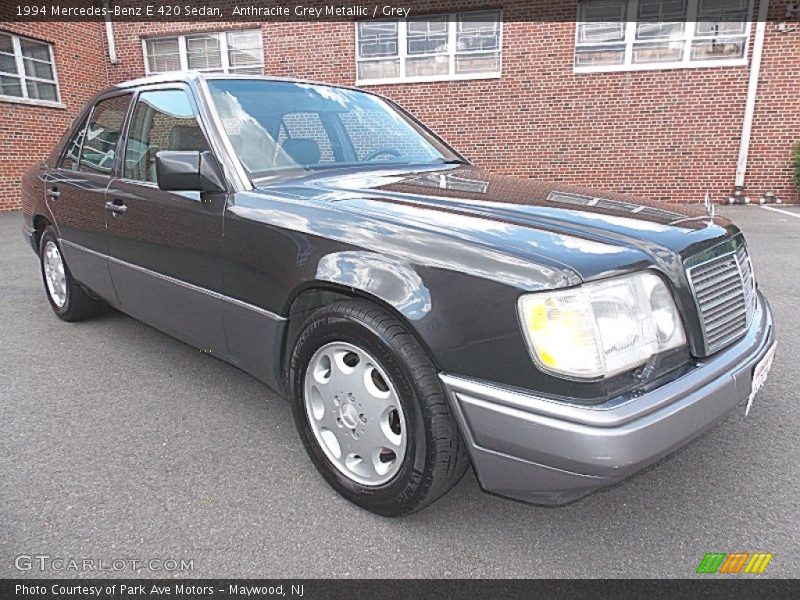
(245,51)
(718,49)
(8,64)
(31,49)
(478,63)
(428,66)
(600,55)
(378,69)
(73,149)
(377,38)
(102,134)
(35,68)
(244,58)
(661,19)
(602,20)
(244,39)
(203,52)
(6,44)
(10,86)
(163,55)
(721,17)
(427,36)
(658,52)
(162,120)
(42,91)
(478,31)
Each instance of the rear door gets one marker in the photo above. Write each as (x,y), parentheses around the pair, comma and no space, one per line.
(166,247)
(76,188)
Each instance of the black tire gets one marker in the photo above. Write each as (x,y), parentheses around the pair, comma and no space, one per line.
(436,457)
(78,304)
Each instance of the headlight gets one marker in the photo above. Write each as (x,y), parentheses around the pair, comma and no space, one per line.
(603,328)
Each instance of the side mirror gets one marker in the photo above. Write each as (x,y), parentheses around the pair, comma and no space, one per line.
(188,171)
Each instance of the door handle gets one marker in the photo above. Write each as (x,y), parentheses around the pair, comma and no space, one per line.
(117,209)
(54,193)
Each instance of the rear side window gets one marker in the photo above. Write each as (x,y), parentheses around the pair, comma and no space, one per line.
(162,120)
(102,134)
(72,151)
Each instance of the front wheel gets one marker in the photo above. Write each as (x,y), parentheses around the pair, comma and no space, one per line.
(371,412)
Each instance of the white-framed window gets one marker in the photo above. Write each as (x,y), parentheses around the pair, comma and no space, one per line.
(464,45)
(27,71)
(212,52)
(628,35)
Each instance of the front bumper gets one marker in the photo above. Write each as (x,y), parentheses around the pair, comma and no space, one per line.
(552,452)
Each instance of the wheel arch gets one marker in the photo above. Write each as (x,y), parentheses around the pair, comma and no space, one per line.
(314,295)
(40,223)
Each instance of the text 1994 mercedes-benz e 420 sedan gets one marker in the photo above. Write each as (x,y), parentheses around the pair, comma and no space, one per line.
(419,313)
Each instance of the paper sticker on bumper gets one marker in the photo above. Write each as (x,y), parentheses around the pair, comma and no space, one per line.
(760,372)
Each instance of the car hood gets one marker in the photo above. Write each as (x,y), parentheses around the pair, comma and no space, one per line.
(583,234)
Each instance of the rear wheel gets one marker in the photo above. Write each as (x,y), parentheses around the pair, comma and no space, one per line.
(371,411)
(67,297)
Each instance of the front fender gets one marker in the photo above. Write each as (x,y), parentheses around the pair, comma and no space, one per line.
(392,281)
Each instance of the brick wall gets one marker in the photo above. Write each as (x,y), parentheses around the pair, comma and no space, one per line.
(28,133)
(664,135)
(776,125)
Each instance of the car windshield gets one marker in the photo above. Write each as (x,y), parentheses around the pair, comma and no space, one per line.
(278,125)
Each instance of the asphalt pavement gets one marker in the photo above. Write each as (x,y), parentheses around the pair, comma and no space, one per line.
(121,443)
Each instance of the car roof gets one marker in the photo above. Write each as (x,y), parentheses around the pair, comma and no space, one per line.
(195,76)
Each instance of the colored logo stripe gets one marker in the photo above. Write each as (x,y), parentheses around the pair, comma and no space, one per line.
(732,563)
(758,562)
(711,562)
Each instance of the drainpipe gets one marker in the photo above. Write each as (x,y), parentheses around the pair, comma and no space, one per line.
(112,47)
(752,90)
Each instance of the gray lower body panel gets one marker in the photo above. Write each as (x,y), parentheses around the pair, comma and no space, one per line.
(242,334)
(549,452)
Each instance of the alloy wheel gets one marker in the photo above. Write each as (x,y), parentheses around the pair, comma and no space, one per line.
(54,273)
(355,413)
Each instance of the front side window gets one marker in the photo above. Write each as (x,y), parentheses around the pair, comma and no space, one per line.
(463,45)
(614,35)
(102,134)
(210,52)
(276,126)
(27,69)
(162,120)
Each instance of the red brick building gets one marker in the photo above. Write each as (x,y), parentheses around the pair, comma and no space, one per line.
(648,97)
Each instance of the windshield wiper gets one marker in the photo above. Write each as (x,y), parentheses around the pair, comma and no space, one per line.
(449,161)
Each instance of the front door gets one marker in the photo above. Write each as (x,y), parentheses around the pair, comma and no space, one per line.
(166,247)
(76,189)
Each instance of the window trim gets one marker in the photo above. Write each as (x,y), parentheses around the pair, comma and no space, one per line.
(23,76)
(183,54)
(689,37)
(169,87)
(402,52)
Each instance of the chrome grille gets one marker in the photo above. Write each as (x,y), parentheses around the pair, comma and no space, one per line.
(724,289)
